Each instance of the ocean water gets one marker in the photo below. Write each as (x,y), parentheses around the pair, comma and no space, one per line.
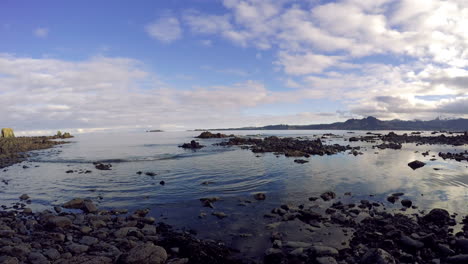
(234,175)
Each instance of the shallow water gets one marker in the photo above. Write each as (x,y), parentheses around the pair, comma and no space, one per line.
(235,174)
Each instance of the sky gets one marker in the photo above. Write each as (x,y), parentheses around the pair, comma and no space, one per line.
(86,66)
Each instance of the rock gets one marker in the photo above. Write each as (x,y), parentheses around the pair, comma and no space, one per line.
(300,161)
(59,221)
(458,259)
(462,245)
(320,251)
(102,166)
(377,256)
(411,244)
(27,211)
(76,203)
(326,196)
(122,232)
(87,259)
(77,248)
(88,240)
(296,244)
(89,207)
(146,253)
(208,134)
(150,173)
(406,203)
(52,253)
(326,260)
(57,209)
(437,216)
(416,164)
(259,196)
(162,182)
(273,256)
(24,197)
(192,145)
(37,258)
(7,133)
(392,199)
(220,215)
(445,250)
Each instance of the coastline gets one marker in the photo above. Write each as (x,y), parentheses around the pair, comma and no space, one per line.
(14,150)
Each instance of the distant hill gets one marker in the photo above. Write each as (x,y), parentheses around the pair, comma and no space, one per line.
(371,123)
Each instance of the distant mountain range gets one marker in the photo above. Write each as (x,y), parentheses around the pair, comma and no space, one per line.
(371,123)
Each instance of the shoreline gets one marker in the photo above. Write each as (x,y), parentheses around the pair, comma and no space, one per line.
(14,150)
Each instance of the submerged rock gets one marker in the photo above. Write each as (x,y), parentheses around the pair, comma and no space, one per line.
(259,196)
(102,166)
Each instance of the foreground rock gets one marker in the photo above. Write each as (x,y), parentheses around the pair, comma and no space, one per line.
(103,237)
(376,236)
(290,147)
(86,205)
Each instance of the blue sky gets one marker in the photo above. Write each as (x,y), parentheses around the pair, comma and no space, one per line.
(93,65)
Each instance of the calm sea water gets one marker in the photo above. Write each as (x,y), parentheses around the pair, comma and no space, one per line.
(235,174)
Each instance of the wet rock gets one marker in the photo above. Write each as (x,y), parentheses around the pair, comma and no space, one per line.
(259,196)
(37,258)
(151,174)
(410,243)
(220,215)
(326,260)
(27,211)
(24,197)
(326,196)
(273,256)
(320,251)
(147,253)
(300,161)
(437,216)
(416,164)
(377,256)
(192,145)
(462,245)
(75,203)
(208,134)
(162,182)
(406,203)
(88,240)
(458,259)
(102,166)
(296,244)
(77,248)
(89,207)
(52,253)
(59,221)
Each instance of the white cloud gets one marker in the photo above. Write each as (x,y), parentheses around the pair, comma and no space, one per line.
(117,93)
(166,29)
(41,32)
(420,48)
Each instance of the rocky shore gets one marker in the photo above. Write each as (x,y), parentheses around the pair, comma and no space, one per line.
(290,147)
(98,236)
(395,139)
(375,235)
(13,149)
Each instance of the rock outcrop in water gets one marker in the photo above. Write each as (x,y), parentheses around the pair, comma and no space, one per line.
(192,145)
(290,147)
(394,140)
(456,156)
(7,133)
(208,134)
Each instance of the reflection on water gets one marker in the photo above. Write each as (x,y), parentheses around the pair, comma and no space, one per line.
(233,173)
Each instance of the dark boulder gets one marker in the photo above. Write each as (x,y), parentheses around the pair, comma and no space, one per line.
(416,164)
